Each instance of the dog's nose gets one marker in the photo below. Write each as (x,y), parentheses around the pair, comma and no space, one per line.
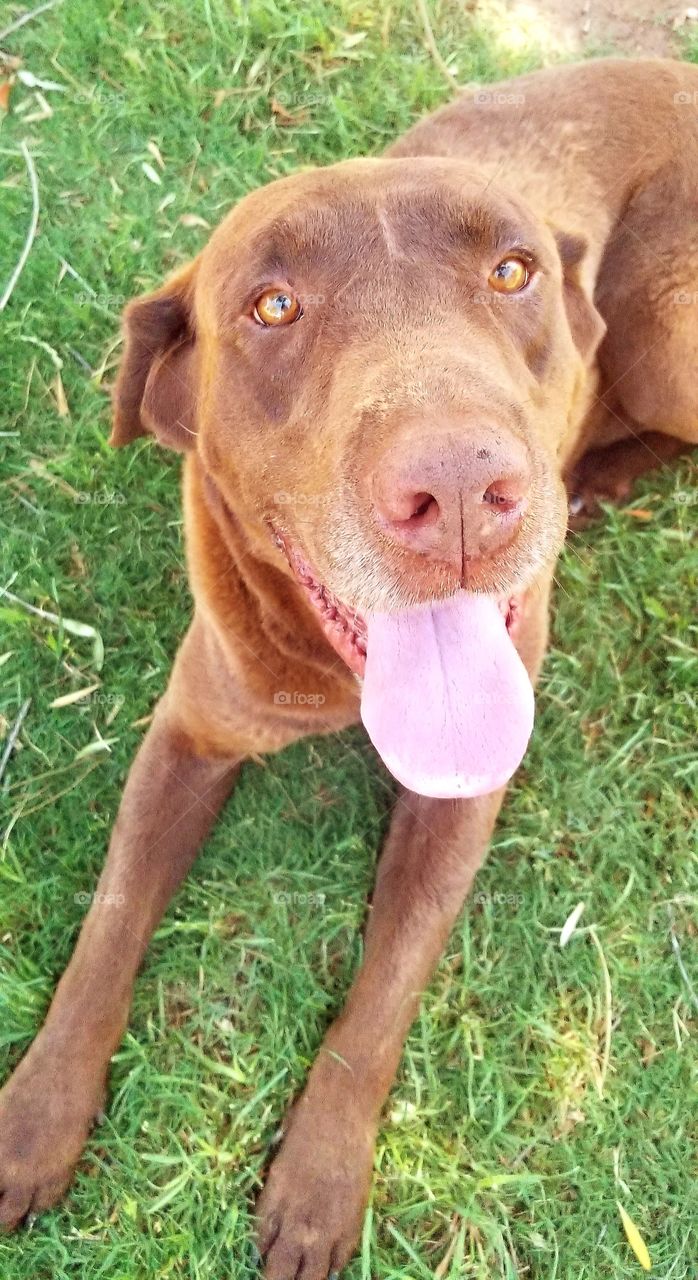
(453,496)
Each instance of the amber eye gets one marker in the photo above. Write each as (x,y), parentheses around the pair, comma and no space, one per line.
(510,276)
(275,307)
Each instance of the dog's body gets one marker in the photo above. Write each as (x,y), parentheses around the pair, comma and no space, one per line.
(337,467)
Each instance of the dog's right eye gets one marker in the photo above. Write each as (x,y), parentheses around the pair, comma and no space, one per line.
(276,307)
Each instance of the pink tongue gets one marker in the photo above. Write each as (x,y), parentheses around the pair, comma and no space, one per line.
(446,698)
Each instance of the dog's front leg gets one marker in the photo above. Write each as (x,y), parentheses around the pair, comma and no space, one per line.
(312,1206)
(48,1106)
(311,1209)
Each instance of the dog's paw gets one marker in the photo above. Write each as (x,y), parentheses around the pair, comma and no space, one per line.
(602,476)
(310,1212)
(47,1110)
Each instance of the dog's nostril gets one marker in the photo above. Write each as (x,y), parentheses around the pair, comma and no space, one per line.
(426,509)
(411,511)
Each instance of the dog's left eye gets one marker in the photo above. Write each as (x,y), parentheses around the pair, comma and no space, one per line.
(511,275)
(276,307)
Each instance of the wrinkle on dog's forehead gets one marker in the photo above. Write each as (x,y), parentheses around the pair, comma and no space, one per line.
(391,243)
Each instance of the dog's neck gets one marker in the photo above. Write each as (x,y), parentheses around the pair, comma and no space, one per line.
(256,596)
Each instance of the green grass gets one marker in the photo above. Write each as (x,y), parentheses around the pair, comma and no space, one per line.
(496,1148)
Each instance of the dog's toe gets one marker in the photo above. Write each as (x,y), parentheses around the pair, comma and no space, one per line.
(284,1261)
(300,1253)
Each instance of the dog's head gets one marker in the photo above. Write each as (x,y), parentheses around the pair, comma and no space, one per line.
(379,364)
(379,360)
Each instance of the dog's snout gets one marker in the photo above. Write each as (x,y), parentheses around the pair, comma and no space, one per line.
(453,495)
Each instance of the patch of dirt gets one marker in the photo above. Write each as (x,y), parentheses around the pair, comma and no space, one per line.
(639,27)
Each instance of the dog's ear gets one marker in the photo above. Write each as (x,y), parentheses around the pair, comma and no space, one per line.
(584,320)
(155,388)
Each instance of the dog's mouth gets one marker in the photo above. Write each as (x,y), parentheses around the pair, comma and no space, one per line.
(445,698)
(344,627)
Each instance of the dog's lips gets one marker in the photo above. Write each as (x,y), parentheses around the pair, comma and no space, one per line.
(344,628)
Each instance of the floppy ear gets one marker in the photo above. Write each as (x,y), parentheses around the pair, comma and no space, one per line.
(155,388)
(584,320)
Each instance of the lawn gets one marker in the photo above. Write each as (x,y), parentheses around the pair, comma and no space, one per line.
(540,1085)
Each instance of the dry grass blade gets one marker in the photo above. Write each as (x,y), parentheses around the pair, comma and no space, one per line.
(13,735)
(676,948)
(433,47)
(31,230)
(608,1015)
(28,17)
(77,695)
(70,625)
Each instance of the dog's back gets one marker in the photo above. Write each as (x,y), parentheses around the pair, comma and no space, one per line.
(575,139)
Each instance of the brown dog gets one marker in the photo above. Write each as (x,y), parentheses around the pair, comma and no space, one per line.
(381,373)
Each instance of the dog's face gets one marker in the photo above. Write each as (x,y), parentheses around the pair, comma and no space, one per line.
(379,364)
